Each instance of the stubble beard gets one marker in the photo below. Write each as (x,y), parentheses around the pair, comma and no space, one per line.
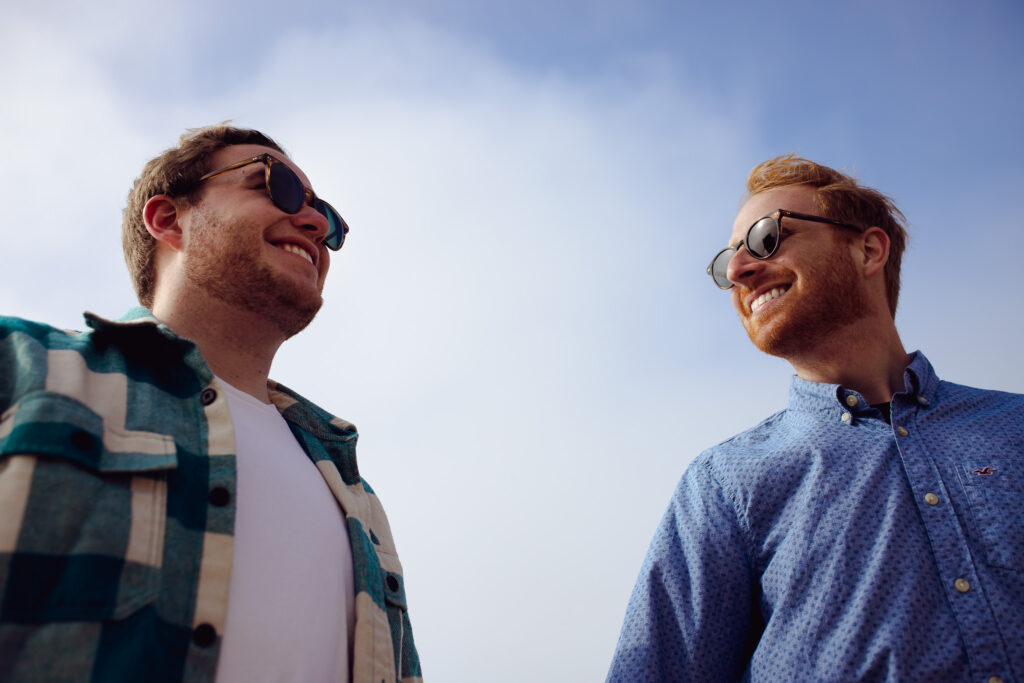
(831,298)
(233,272)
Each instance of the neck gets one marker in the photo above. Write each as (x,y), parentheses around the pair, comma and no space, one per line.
(238,345)
(869,360)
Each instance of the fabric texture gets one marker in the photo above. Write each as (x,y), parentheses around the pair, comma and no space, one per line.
(117,482)
(827,545)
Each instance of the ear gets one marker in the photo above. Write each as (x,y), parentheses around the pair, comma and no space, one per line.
(161,215)
(874,250)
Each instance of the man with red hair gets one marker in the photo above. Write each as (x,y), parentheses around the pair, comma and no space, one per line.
(872,530)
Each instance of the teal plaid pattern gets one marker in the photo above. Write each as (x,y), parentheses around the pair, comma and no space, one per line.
(114,556)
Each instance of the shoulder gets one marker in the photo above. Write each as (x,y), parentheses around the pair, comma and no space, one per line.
(25,350)
(973,410)
(961,394)
(15,330)
(759,443)
(970,404)
(764,464)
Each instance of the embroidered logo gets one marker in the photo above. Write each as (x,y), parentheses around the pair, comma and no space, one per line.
(984,471)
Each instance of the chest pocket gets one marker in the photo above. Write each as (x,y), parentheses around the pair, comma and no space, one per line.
(995,491)
(83,509)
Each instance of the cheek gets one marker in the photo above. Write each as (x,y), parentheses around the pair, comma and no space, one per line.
(737,303)
(325,264)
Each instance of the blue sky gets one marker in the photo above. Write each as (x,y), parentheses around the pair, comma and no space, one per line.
(520,323)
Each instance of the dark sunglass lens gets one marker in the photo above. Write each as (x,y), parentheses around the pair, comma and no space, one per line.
(286,189)
(763,238)
(336,227)
(720,266)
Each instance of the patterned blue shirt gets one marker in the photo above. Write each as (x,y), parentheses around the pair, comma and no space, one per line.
(827,545)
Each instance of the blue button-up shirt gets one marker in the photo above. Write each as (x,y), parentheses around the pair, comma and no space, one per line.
(825,544)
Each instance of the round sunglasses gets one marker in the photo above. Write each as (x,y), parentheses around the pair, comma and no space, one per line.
(762,241)
(289,194)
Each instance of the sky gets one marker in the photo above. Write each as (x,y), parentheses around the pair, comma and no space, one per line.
(520,324)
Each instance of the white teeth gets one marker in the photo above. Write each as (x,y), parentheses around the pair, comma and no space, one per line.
(293,249)
(760,301)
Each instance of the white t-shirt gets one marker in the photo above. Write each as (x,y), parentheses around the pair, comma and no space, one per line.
(290,605)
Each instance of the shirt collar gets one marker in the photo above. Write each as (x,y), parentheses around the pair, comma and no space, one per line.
(137,317)
(919,379)
(140,329)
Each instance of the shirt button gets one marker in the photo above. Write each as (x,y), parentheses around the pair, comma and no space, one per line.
(902,431)
(851,400)
(219,497)
(208,396)
(995,679)
(962,585)
(845,417)
(204,635)
(931,499)
(922,400)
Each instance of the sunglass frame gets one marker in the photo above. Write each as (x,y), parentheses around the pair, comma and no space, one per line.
(777,217)
(309,197)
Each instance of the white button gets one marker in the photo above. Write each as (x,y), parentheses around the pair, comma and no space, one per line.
(851,400)
(962,585)
(931,499)
(845,417)
(922,400)
(901,430)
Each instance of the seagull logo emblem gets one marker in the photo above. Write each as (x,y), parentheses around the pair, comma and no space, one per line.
(985,471)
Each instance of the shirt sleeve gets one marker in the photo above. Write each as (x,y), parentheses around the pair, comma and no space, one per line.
(692,614)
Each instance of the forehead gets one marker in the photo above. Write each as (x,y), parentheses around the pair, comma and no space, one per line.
(235,153)
(799,198)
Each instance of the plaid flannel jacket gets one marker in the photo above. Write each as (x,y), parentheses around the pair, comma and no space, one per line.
(117,482)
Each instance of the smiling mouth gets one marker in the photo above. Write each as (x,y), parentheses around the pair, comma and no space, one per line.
(770,295)
(297,250)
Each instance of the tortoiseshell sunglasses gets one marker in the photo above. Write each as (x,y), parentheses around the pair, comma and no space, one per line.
(289,194)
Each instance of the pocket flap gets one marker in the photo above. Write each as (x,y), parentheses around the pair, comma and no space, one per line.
(46,423)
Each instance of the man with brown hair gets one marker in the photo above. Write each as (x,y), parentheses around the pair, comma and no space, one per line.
(872,530)
(167,512)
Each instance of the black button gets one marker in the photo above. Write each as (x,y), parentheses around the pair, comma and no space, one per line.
(204,635)
(392,583)
(208,396)
(82,440)
(219,497)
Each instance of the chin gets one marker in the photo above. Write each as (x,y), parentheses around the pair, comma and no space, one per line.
(290,314)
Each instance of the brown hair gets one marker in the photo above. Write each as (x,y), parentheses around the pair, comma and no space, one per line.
(176,173)
(841,197)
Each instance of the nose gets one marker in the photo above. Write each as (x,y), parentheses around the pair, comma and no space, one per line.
(742,267)
(312,222)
